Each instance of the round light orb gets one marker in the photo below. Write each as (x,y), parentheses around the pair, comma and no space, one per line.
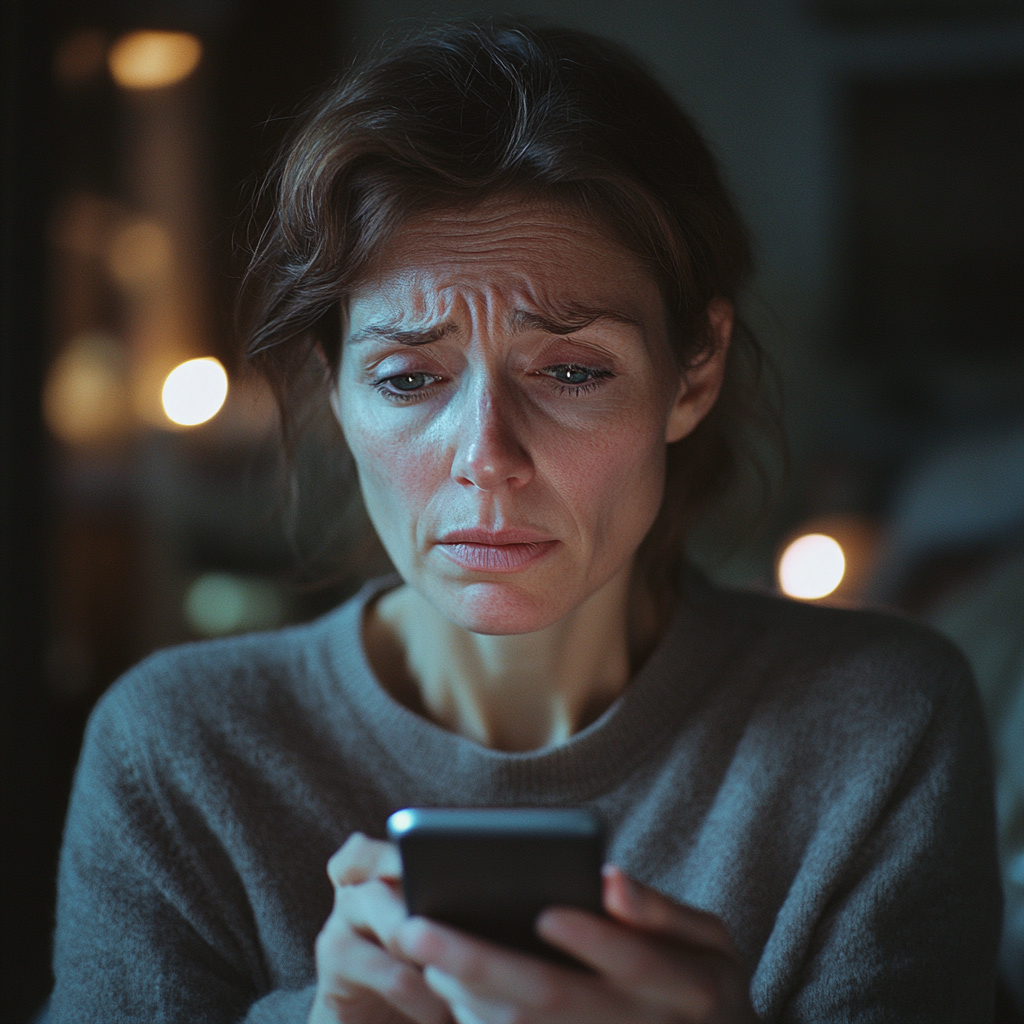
(195,391)
(153,60)
(811,567)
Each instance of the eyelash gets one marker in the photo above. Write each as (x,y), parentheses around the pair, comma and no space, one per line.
(403,397)
(573,390)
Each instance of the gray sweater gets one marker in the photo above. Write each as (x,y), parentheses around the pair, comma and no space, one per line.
(817,778)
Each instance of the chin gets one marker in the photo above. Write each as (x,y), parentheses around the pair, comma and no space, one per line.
(501,609)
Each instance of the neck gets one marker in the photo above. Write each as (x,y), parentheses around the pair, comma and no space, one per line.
(516,693)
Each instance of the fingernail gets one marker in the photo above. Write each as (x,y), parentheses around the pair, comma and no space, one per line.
(622,890)
(443,984)
(547,922)
(410,936)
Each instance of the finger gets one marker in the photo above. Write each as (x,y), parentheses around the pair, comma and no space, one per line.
(645,908)
(361,859)
(600,1006)
(490,977)
(465,1008)
(373,909)
(645,966)
(350,966)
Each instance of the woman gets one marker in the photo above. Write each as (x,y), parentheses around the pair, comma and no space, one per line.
(512,259)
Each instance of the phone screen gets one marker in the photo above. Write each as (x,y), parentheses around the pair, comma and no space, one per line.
(491,871)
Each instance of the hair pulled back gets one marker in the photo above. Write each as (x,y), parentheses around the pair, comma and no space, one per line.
(464,113)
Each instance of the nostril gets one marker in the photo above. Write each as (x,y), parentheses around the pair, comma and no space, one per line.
(487,465)
(481,473)
(490,449)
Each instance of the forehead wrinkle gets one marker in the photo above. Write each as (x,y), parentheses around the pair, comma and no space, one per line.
(414,319)
(432,312)
(428,304)
(492,227)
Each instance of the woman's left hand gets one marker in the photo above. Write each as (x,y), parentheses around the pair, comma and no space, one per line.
(655,961)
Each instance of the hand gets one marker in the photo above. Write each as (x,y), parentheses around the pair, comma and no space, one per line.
(362,978)
(656,962)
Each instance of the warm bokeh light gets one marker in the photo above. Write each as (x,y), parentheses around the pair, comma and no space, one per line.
(219,603)
(139,252)
(194,391)
(84,397)
(80,224)
(152,60)
(80,57)
(811,567)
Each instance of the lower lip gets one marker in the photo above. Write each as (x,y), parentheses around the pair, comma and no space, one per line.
(497,557)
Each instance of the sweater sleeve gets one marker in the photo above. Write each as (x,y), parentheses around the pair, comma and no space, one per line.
(145,931)
(911,933)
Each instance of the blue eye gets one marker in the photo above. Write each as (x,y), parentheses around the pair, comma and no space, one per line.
(575,379)
(574,375)
(406,387)
(408,381)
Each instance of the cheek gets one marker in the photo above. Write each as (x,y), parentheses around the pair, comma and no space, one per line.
(614,478)
(397,471)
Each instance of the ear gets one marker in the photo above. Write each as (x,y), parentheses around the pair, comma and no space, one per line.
(332,385)
(329,378)
(334,398)
(699,385)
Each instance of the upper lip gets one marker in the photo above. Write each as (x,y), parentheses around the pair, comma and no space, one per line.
(495,538)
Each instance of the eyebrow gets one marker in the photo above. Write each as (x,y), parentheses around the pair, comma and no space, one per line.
(412,338)
(566,321)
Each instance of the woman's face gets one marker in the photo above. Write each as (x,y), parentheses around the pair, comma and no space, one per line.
(507,390)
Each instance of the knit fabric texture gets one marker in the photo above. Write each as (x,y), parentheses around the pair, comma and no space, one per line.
(817,778)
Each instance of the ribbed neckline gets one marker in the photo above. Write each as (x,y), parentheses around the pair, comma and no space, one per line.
(444,768)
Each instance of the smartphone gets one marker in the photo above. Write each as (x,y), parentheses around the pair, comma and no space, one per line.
(491,871)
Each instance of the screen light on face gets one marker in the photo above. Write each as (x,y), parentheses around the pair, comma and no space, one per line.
(811,567)
(194,391)
(153,60)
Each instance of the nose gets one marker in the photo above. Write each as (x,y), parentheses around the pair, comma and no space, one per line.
(489,449)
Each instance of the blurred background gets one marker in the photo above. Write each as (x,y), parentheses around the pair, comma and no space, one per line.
(875,148)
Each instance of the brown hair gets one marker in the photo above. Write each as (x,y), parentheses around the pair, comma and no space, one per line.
(466,112)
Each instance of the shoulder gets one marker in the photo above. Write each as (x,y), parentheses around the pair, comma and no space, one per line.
(226,675)
(856,669)
(188,701)
(886,640)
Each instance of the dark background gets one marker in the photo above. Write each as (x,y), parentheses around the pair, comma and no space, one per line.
(875,148)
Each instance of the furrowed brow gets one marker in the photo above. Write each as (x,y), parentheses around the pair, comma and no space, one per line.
(568,321)
(385,332)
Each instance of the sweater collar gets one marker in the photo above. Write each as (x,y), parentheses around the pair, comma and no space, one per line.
(445,768)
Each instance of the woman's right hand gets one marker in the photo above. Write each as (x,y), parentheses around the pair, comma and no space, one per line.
(361,977)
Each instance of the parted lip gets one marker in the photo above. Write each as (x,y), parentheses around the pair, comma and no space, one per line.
(494,538)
